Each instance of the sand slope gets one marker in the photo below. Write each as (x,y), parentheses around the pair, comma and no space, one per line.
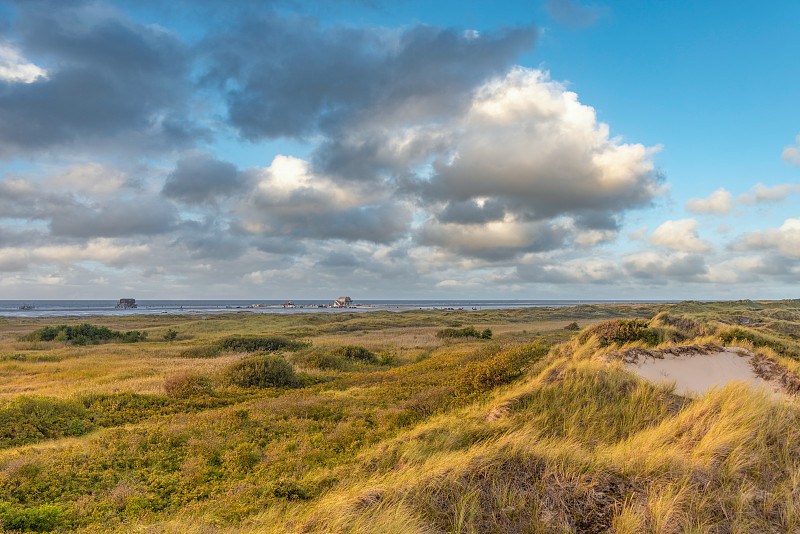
(697,368)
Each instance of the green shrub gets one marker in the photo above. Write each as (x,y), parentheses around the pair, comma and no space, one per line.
(32,419)
(44,518)
(467,331)
(203,351)
(572,327)
(262,371)
(170,334)
(622,331)
(355,353)
(259,343)
(500,369)
(758,340)
(83,334)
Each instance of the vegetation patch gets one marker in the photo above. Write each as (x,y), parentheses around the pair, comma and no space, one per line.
(259,344)
(44,518)
(31,419)
(622,331)
(500,369)
(355,353)
(467,331)
(263,371)
(185,385)
(84,334)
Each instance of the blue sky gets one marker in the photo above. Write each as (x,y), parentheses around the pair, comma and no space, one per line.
(290,149)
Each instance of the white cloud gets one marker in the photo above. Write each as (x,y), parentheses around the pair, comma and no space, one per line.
(16,69)
(763,194)
(791,153)
(680,235)
(785,239)
(719,201)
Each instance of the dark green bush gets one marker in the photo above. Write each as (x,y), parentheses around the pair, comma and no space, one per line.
(355,353)
(259,343)
(572,327)
(170,334)
(263,371)
(84,334)
(467,331)
(622,331)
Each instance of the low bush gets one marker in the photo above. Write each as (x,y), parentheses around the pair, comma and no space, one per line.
(259,343)
(84,334)
(187,385)
(622,331)
(355,353)
(467,331)
(44,518)
(31,419)
(572,327)
(500,369)
(758,340)
(263,371)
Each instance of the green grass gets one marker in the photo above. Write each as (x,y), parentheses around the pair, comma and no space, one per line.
(369,422)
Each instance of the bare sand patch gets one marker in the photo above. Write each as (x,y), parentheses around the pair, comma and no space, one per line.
(695,369)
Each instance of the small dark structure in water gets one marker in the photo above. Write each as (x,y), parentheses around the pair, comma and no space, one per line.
(126,304)
(27,307)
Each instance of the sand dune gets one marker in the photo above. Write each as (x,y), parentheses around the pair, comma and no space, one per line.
(695,369)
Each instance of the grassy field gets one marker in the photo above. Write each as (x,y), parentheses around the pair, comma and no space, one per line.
(413,422)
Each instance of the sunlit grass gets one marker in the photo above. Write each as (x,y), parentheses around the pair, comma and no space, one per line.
(428,437)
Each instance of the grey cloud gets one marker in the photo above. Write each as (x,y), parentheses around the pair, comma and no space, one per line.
(339,259)
(198,178)
(662,269)
(471,241)
(210,239)
(470,212)
(377,224)
(111,83)
(304,77)
(120,218)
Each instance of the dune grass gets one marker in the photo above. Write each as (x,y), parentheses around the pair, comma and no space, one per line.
(385,427)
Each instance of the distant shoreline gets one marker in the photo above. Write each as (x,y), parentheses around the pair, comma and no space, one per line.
(77,308)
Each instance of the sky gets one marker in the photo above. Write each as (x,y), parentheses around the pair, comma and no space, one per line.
(290,149)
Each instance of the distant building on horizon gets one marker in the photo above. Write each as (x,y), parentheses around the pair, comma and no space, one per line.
(126,304)
(343,302)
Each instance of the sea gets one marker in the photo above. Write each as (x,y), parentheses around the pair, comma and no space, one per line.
(77,308)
